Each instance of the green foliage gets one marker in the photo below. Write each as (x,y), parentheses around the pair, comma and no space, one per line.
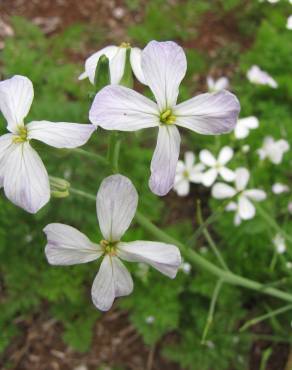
(179,305)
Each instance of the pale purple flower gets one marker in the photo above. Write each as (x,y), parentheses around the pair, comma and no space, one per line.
(116,205)
(259,77)
(186,172)
(221,83)
(244,125)
(164,66)
(22,172)
(273,150)
(117,63)
(217,166)
(243,206)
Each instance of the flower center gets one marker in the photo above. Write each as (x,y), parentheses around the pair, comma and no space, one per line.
(22,135)
(167,118)
(186,174)
(109,248)
(125,45)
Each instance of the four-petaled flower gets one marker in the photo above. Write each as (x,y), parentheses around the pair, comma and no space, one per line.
(217,166)
(117,63)
(22,173)
(116,204)
(244,209)
(187,171)
(273,150)
(244,125)
(259,77)
(164,66)
(217,85)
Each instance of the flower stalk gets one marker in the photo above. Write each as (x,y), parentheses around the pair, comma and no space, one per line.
(196,259)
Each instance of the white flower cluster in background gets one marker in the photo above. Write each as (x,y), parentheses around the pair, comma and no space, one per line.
(242,205)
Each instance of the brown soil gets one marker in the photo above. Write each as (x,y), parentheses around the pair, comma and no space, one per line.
(115,343)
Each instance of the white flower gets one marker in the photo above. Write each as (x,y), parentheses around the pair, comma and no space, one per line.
(243,125)
(244,209)
(279,243)
(22,172)
(187,171)
(256,76)
(117,62)
(116,204)
(279,188)
(273,150)
(217,166)
(218,85)
(289,23)
(186,267)
(273,1)
(164,66)
(150,320)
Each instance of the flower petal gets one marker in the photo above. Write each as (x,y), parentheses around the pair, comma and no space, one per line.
(164,66)
(120,108)
(240,131)
(136,64)
(246,209)
(209,177)
(117,65)
(182,187)
(223,191)
(164,160)
(26,181)
(221,84)
(256,194)
(189,159)
(207,158)
(241,178)
(227,174)
(225,155)
(195,174)
(208,114)
(60,134)
(163,257)
(113,280)
(92,61)
(6,146)
(16,96)
(68,246)
(116,204)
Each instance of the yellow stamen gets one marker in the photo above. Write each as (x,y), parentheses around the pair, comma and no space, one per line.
(125,45)
(22,135)
(109,248)
(167,117)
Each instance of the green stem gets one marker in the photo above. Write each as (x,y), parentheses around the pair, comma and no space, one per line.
(114,151)
(266,316)
(82,193)
(201,262)
(212,309)
(98,157)
(209,238)
(198,260)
